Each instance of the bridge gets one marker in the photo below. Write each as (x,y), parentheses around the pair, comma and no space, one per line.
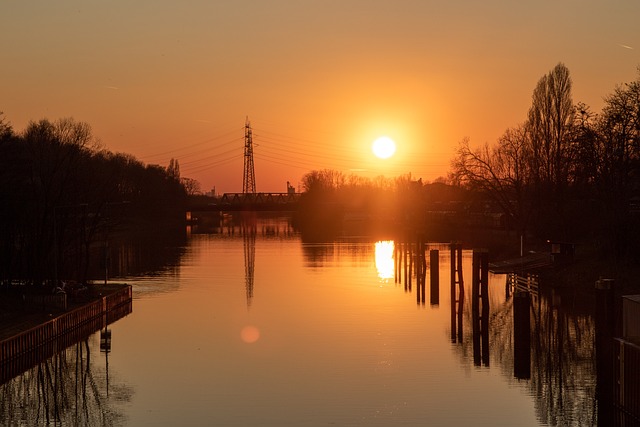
(251,201)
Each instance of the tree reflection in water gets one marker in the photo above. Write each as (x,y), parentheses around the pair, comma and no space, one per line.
(69,388)
(563,374)
(563,358)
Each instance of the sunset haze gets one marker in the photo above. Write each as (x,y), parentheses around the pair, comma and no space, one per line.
(318,80)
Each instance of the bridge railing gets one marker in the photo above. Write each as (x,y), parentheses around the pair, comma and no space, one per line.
(257,198)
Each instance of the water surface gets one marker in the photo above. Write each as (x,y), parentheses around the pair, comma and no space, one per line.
(266,330)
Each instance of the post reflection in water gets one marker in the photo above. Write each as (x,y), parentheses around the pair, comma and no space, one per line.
(521,335)
(434,266)
(480,297)
(69,388)
(457,293)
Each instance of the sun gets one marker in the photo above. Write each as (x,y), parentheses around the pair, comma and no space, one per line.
(383,147)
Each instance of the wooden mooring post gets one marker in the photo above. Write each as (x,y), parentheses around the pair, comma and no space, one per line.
(480,306)
(457,292)
(434,263)
(521,334)
(605,323)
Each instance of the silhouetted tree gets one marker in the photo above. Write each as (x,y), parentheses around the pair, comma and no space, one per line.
(6,131)
(500,172)
(191,186)
(550,122)
(59,192)
(11,185)
(618,150)
(527,172)
(322,181)
(53,153)
(586,157)
(173,170)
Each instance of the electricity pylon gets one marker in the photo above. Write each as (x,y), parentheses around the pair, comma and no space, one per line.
(249,178)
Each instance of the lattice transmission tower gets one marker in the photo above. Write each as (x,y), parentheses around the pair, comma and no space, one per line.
(249,177)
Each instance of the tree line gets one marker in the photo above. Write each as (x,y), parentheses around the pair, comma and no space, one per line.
(381,205)
(62,193)
(566,173)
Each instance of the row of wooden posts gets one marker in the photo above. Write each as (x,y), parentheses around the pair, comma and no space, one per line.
(411,259)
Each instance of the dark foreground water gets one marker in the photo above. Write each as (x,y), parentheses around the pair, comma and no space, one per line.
(269,331)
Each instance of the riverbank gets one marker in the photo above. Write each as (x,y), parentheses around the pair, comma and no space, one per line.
(17,317)
(589,265)
(589,262)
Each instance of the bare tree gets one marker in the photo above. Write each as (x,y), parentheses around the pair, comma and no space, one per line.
(191,186)
(585,151)
(501,172)
(619,130)
(5,128)
(618,150)
(324,180)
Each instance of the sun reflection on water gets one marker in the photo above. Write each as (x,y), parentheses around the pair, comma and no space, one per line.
(384,259)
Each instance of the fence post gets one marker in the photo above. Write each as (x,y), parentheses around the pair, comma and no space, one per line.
(605,328)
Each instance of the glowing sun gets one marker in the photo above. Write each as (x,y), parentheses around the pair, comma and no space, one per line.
(383,147)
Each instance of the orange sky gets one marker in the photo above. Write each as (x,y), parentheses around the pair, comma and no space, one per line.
(319,80)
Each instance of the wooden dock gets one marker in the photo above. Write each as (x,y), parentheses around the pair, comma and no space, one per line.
(526,263)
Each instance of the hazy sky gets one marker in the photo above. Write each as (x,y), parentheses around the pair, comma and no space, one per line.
(319,80)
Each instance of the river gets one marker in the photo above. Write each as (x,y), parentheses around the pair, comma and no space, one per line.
(245,329)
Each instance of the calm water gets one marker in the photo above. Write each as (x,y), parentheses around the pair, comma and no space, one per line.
(273,332)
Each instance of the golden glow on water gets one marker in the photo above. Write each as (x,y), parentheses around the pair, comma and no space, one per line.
(384,259)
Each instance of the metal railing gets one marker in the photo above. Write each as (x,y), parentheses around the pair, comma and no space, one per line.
(26,349)
(528,283)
